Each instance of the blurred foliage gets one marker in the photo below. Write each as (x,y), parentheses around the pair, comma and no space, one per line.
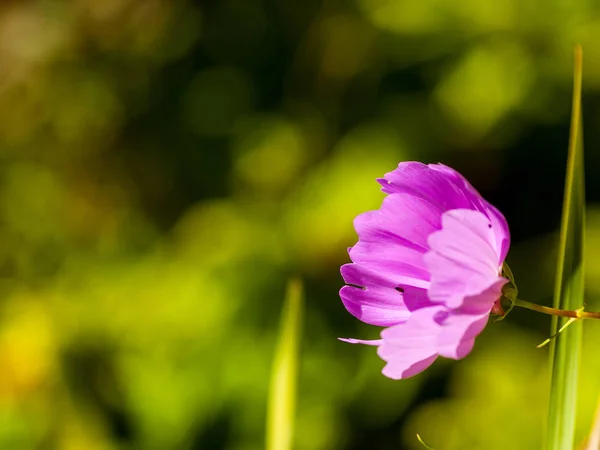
(166,165)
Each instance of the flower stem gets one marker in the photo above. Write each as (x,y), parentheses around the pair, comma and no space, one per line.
(575,314)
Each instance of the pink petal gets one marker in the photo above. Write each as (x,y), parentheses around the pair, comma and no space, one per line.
(471,195)
(393,239)
(483,302)
(405,217)
(461,326)
(361,341)
(425,182)
(376,299)
(463,261)
(501,232)
(476,201)
(372,306)
(458,334)
(411,347)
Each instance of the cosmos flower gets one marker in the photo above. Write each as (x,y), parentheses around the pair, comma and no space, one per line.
(427,266)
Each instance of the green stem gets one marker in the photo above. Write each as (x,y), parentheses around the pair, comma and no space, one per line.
(575,314)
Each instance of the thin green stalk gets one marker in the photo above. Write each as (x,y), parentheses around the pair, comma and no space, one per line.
(568,291)
(573,314)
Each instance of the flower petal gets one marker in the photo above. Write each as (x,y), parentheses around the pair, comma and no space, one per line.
(474,198)
(501,232)
(461,326)
(411,347)
(477,202)
(362,341)
(463,260)
(393,239)
(372,306)
(458,334)
(376,299)
(425,182)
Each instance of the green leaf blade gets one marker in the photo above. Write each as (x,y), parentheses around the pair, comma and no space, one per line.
(569,288)
(282,389)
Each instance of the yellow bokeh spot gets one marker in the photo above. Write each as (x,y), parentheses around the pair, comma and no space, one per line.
(484,86)
(321,213)
(27,347)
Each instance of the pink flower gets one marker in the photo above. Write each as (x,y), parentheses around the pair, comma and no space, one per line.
(427,266)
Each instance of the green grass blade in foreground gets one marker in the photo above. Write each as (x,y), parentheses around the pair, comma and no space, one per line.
(282,390)
(568,291)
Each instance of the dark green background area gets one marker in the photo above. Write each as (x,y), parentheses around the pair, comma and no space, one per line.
(166,166)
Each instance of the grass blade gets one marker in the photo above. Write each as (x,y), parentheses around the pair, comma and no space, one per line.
(282,390)
(423,443)
(568,291)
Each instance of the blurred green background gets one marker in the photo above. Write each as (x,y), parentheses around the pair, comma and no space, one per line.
(167,165)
